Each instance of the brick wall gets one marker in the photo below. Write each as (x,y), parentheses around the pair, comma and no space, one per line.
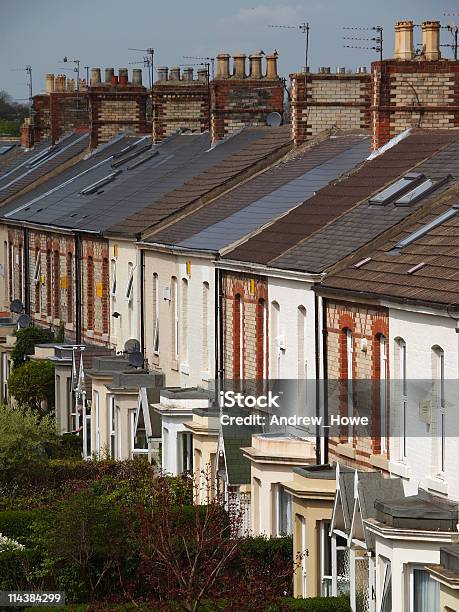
(180,104)
(57,113)
(415,93)
(114,108)
(367,324)
(323,101)
(52,292)
(252,290)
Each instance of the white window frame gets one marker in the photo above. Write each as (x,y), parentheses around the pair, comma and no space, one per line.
(383,392)
(280,493)
(403,398)
(241,337)
(5,375)
(87,429)
(175,314)
(37,268)
(130,283)
(325,541)
(156,317)
(112,428)
(97,421)
(410,577)
(304,556)
(205,326)
(350,382)
(113,280)
(184,310)
(134,450)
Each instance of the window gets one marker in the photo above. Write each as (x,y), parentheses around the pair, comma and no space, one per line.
(104,296)
(386,593)
(350,381)
(69,287)
(395,189)
(205,327)
(174,318)
(87,442)
(325,560)
(425,229)
(37,267)
(74,420)
(49,282)
(304,555)
(155,314)
(11,270)
(383,391)
(139,441)
(301,334)
(112,424)
(187,452)
(419,192)
(130,283)
(184,317)
(90,293)
(238,327)
(284,512)
(438,376)
(402,394)
(276,342)
(424,591)
(5,375)
(56,284)
(262,339)
(113,279)
(97,422)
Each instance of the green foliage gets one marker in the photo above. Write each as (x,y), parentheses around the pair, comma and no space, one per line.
(10,128)
(16,570)
(32,384)
(24,434)
(66,446)
(312,604)
(262,547)
(18,524)
(26,339)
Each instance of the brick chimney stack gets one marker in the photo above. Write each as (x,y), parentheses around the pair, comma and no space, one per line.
(240,99)
(404,47)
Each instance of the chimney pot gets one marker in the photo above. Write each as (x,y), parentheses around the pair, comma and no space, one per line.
(95,77)
(255,66)
(123,76)
(137,76)
(188,74)
(271,66)
(431,40)
(49,80)
(114,80)
(71,85)
(109,73)
(202,75)
(174,74)
(223,65)
(404,48)
(239,65)
(60,83)
(162,73)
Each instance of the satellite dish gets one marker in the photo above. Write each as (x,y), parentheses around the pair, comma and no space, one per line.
(453,311)
(274,119)
(132,346)
(16,306)
(24,321)
(136,359)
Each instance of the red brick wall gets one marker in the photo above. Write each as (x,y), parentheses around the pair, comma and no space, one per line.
(239,102)
(366,323)
(417,93)
(324,101)
(57,113)
(252,289)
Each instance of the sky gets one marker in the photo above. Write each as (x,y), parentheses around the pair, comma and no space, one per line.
(100,32)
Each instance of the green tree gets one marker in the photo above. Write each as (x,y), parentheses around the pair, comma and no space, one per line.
(11,115)
(32,385)
(24,436)
(26,339)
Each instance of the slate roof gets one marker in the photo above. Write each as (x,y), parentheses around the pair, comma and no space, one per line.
(24,169)
(391,272)
(9,150)
(269,195)
(339,220)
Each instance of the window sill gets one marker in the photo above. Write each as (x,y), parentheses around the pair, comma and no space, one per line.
(380,461)
(185,369)
(205,376)
(346,450)
(436,484)
(400,469)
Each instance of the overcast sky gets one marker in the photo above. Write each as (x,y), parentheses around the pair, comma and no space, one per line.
(100,32)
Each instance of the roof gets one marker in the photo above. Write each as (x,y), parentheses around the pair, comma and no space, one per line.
(9,149)
(35,163)
(338,220)
(215,168)
(270,194)
(427,270)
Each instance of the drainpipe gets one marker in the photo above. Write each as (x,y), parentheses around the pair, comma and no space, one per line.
(142,306)
(78,294)
(325,368)
(26,270)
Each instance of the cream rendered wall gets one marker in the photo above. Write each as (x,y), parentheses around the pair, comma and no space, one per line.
(290,294)
(128,324)
(267,477)
(421,330)
(99,397)
(181,372)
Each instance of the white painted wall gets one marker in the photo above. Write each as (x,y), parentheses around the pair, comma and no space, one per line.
(421,330)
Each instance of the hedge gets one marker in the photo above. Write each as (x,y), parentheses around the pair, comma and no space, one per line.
(17,524)
(16,568)
(314,604)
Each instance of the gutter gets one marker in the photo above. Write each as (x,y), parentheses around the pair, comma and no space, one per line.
(173,249)
(253,268)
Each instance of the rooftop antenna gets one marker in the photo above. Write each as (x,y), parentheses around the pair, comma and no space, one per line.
(304,29)
(76,69)
(148,62)
(210,60)
(374,43)
(453,29)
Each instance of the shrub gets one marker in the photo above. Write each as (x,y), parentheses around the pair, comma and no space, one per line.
(16,569)
(312,604)
(26,339)
(22,442)
(18,524)
(32,384)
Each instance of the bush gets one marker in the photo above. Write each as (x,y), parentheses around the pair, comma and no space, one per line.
(16,569)
(18,524)
(66,446)
(32,384)
(26,339)
(22,443)
(313,604)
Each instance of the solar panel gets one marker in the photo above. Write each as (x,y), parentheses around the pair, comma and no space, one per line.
(425,229)
(395,189)
(419,191)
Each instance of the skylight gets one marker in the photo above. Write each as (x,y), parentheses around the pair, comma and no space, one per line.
(425,229)
(5,148)
(100,183)
(41,157)
(125,158)
(418,192)
(396,189)
(142,160)
(362,262)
